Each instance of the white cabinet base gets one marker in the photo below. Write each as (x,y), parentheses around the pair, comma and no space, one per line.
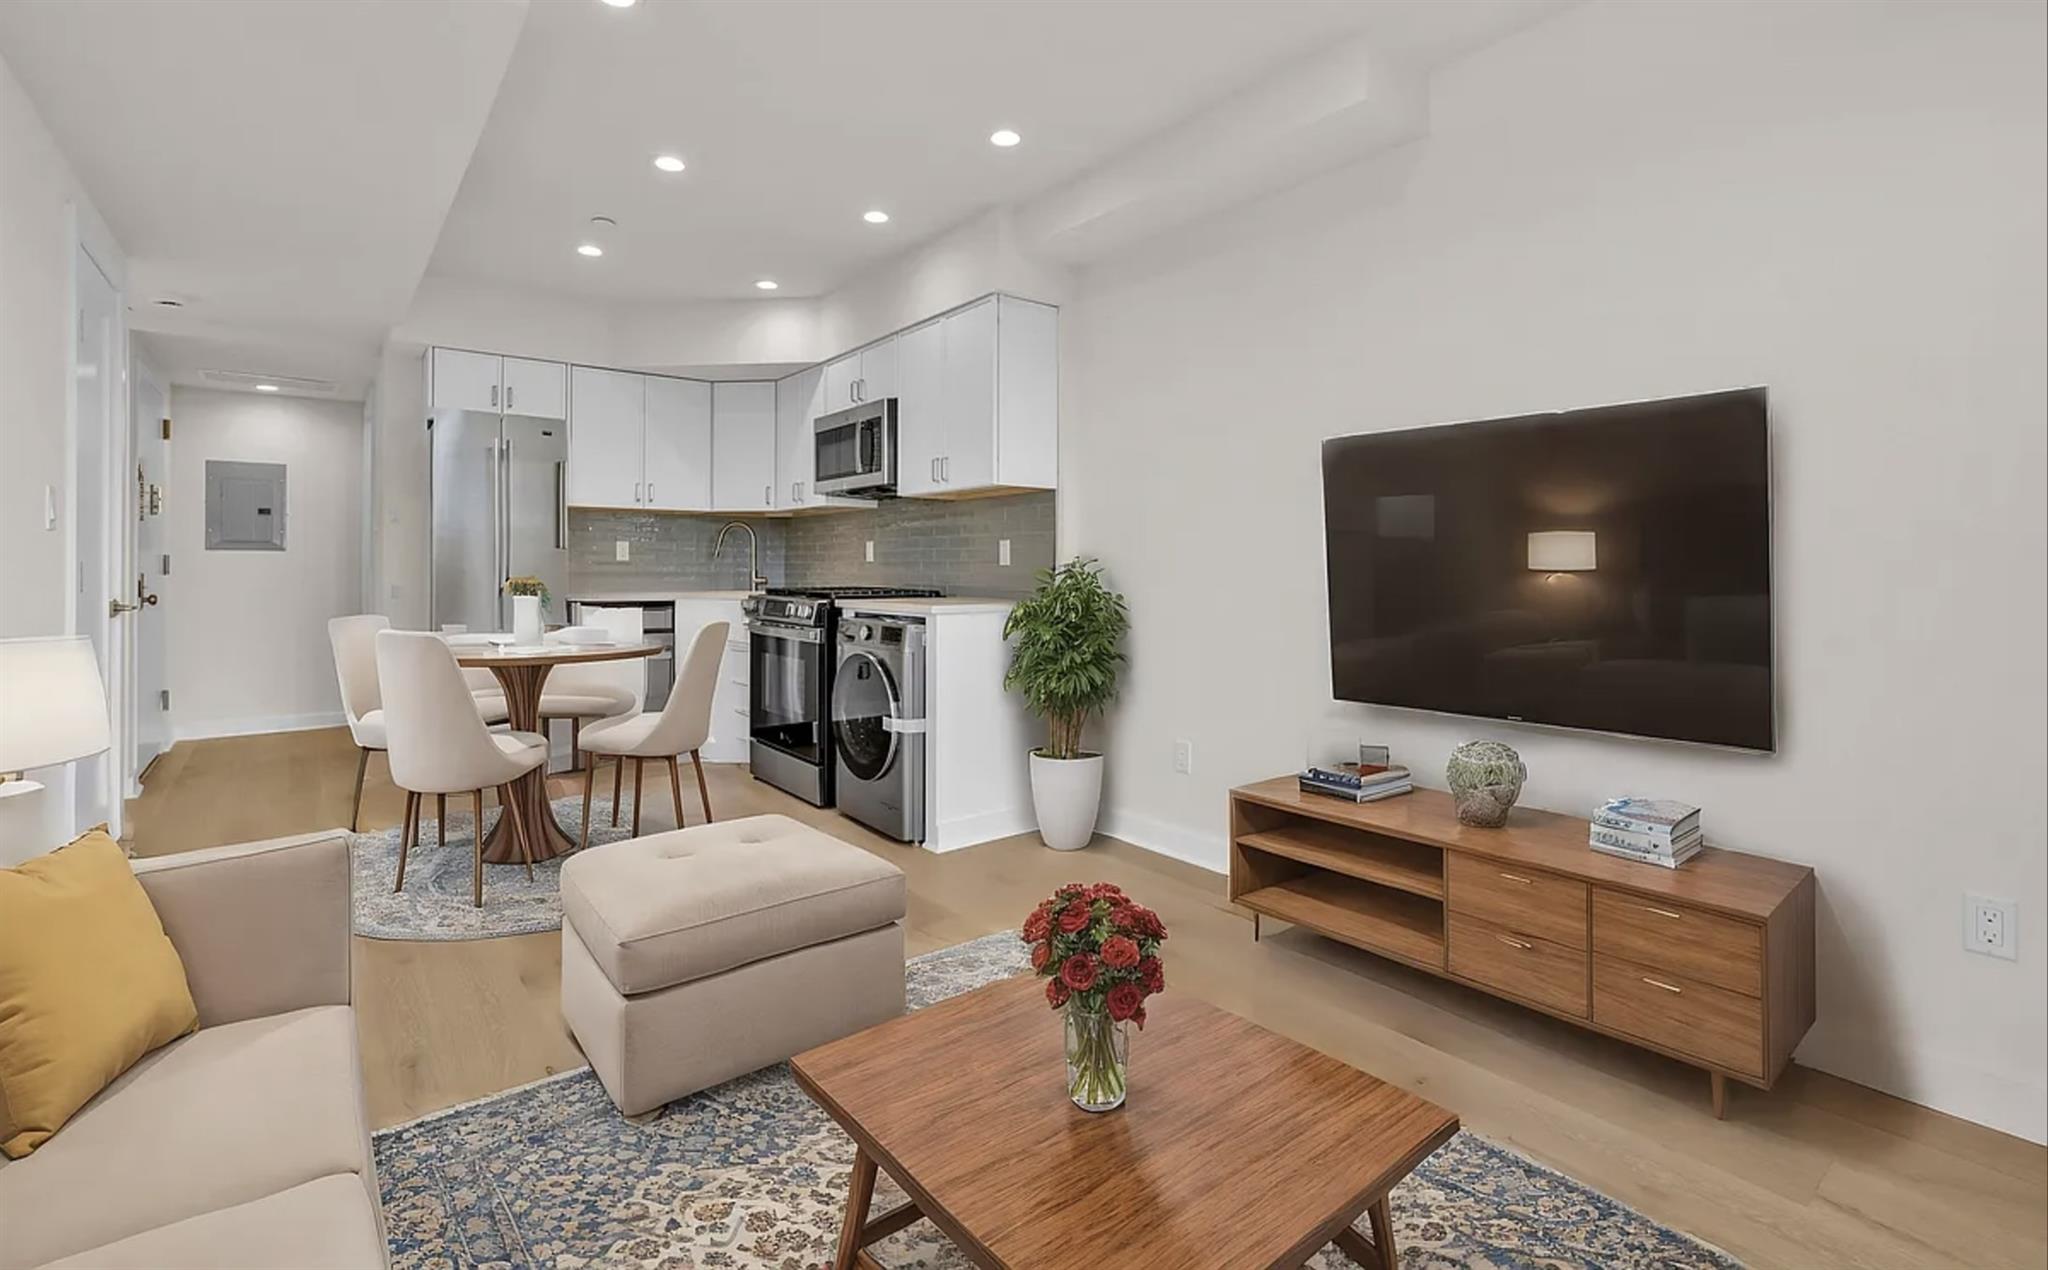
(978,762)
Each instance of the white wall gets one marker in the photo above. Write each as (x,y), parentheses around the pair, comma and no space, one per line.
(42,207)
(247,630)
(1843,202)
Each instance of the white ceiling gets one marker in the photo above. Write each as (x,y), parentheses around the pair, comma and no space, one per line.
(291,170)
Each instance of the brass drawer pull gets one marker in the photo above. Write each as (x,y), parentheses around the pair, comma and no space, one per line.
(1663,912)
(1522,944)
(1516,877)
(1659,983)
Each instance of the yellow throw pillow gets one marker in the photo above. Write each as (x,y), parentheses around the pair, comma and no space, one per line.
(89,983)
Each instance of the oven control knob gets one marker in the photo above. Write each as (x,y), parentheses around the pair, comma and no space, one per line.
(863,631)
(803,610)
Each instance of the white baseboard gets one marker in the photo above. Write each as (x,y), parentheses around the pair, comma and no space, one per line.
(205,729)
(1189,846)
(972,831)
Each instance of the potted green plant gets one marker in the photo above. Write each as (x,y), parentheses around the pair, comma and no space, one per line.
(1068,653)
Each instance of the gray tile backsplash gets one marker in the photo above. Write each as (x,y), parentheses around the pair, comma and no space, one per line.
(918,542)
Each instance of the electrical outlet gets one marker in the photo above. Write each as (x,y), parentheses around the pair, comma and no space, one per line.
(622,550)
(1988,927)
(1003,553)
(1184,757)
(871,550)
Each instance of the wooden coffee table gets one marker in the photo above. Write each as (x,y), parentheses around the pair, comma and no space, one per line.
(1238,1148)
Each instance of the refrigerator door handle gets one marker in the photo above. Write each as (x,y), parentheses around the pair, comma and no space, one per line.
(505,513)
(561,505)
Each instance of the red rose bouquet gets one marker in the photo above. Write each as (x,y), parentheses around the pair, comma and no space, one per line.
(1098,951)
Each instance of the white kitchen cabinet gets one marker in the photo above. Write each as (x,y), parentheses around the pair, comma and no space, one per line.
(841,376)
(868,374)
(463,380)
(678,445)
(920,408)
(988,417)
(978,737)
(608,411)
(538,390)
(743,447)
(730,709)
(795,454)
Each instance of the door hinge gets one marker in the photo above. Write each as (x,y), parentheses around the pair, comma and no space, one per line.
(163,699)
(167,429)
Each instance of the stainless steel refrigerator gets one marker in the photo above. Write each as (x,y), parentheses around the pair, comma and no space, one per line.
(499,502)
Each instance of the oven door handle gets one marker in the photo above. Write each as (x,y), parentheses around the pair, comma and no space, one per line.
(800,635)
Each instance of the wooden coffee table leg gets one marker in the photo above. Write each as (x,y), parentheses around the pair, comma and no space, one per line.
(860,1192)
(1376,1253)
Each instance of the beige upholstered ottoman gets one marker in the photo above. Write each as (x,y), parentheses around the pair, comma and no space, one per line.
(691,957)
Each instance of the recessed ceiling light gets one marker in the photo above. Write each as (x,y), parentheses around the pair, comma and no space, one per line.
(1003,137)
(266,388)
(876,217)
(767,284)
(622,4)
(668,162)
(589,249)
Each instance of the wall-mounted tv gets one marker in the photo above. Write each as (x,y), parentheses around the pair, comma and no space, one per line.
(1607,569)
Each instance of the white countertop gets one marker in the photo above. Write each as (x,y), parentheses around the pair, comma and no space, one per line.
(645,594)
(926,607)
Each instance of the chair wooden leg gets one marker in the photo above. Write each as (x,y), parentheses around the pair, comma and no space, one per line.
(478,796)
(703,790)
(589,784)
(406,830)
(618,779)
(575,744)
(355,812)
(637,774)
(675,789)
(440,820)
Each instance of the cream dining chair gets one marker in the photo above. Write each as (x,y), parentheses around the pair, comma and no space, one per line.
(682,727)
(600,689)
(439,744)
(354,640)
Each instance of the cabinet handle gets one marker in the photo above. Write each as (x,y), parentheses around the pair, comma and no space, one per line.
(1516,877)
(636,491)
(935,471)
(494,396)
(650,492)
(508,396)
(946,469)
(1659,983)
(1664,912)
(799,491)
(768,494)
(1522,944)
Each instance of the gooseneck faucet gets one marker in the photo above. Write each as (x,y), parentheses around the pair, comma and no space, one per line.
(759,579)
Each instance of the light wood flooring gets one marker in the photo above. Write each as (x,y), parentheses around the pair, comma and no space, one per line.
(1819,1172)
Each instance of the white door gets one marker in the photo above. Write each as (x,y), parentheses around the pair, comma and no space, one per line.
(538,390)
(969,460)
(679,444)
(743,447)
(878,370)
(98,367)
(607,408)
(920,408)
(150,720)
(466,381)
(795,453)
(840,382)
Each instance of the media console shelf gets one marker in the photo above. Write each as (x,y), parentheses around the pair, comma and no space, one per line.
(1710,963)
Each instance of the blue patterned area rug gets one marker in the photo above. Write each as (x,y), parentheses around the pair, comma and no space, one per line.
(752,1176)
(436,902)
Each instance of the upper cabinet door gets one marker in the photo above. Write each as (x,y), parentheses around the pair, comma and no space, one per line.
(968,460)
(878,370)
(795,451)
(465,380)
(920,408)
(539,390)
(607,409)
(842,381)
(1027,394)
(679,444)
(743,447)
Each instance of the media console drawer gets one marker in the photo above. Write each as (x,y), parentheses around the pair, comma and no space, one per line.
(1519,964)
(1684,941)
(1523,899)
(1683,1015)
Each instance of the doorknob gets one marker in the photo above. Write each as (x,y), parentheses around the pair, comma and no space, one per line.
(115,608)
(142,595)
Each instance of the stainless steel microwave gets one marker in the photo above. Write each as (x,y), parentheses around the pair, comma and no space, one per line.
(856,450)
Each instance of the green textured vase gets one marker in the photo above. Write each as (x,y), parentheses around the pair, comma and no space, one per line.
(1485,778)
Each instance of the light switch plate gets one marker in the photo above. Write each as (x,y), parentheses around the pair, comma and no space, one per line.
(622,550)
(1003,552)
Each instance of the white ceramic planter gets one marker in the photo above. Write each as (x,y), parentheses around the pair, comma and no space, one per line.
(1066,793)
(526,627)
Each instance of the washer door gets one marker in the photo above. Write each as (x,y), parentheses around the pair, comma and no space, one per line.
(864,693)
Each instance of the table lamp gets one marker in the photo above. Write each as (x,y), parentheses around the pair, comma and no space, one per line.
(53,708)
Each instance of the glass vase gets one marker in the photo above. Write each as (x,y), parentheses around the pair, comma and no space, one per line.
(1098,1055)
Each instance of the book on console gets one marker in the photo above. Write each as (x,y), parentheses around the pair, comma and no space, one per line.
(1352,794)
(1648,857)
(1661,816)
(1358,776)
(1652,844)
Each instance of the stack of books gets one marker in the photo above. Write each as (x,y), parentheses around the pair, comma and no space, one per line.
(1654,830)
(1357,782)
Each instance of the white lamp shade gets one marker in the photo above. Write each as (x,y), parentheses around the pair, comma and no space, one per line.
(53,708)
(1561,551)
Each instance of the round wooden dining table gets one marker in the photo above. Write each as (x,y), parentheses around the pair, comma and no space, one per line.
(521,671)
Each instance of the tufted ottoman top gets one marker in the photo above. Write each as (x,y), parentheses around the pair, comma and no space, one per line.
(677,906)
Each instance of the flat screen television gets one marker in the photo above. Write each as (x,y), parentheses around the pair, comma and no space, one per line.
(1606,569)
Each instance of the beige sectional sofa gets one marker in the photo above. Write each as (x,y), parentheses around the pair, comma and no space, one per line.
(244,1144)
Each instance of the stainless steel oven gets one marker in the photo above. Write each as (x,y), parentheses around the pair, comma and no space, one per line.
(856,449)
(789,642)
